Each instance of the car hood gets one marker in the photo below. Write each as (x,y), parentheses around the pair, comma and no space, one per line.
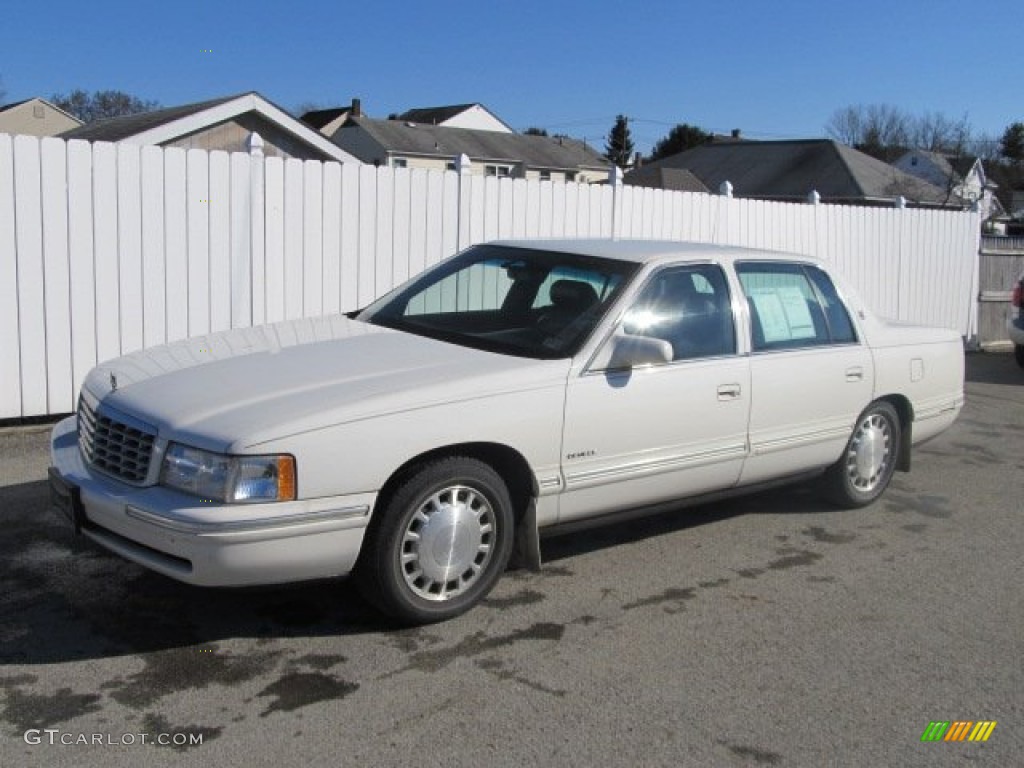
(234,390)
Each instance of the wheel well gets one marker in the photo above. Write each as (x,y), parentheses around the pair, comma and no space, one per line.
(507,462)
(906,413)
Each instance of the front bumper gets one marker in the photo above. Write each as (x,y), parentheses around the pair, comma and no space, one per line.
(206,543)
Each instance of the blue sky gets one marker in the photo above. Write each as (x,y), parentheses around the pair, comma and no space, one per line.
(774,69)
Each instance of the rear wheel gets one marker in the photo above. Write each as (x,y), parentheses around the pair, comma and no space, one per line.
(1018,352)
(440,542)
(864,470)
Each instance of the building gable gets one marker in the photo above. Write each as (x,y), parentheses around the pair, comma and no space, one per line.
(35,117)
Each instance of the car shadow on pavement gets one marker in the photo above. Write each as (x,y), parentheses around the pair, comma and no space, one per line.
(64,598)
(801,498)
(67,599)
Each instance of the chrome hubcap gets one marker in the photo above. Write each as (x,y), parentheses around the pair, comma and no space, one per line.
(867,461)
(448,543)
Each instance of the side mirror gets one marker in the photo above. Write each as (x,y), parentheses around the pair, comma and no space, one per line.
(625,350)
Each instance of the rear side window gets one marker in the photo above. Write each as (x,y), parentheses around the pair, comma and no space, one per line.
(793,305)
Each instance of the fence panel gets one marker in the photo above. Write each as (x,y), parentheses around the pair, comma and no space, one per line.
(105,249)
(56,276)
(10,329)
(219,206)
(31,301)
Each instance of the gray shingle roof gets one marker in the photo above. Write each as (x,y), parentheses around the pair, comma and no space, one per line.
(117,128)
(439,141)
(434,115)
(790,170)
(659,177)
(318,118)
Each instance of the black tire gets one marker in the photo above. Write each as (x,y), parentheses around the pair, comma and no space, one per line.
(462,507)
(871,455)
(1018,353)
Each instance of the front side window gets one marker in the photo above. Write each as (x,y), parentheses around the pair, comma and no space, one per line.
(688,307)
(518,301)
(793,305)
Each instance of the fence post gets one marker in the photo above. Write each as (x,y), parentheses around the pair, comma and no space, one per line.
(463,167)
(725,189)
(814,198)
(257,244)
(615,180)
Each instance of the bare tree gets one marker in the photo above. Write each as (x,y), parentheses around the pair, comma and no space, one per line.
(98,105)
(876,129)
(935,132)
(846,125)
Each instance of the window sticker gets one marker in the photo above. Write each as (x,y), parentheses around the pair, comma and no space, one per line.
(801,325)
(783,313)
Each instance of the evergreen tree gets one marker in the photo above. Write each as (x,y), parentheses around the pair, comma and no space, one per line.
(619,146)
(1011,145)
(681,138)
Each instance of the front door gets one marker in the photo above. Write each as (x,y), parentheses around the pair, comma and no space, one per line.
(658,432)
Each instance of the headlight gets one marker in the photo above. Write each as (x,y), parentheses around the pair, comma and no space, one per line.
(228,479)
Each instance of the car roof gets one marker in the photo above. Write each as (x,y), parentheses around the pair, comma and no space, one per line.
(651,251)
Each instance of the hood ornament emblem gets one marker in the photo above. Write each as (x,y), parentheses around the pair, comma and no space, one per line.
(113,383)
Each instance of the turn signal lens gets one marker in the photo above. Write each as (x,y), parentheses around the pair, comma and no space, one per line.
(285,478)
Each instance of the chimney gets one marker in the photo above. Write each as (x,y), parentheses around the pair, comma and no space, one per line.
(638,160)
(356,109)
(736,133)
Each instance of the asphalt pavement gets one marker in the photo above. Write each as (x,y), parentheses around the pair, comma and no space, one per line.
(772,630)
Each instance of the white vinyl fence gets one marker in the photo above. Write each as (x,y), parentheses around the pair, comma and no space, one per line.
(105,249)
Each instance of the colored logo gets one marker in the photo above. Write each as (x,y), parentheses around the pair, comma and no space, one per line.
(958,730)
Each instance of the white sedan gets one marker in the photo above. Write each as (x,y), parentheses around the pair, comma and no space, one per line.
(515,387)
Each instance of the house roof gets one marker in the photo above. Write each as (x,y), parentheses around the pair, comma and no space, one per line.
(164,125)
(659,177)
(438,115)
(398,137)
(318,118)
(791,170)
(434,115)
(118,128)
(956,166)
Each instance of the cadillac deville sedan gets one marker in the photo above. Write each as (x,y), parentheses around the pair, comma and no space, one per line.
(420,443)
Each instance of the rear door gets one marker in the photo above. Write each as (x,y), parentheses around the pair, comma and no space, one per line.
(811,375)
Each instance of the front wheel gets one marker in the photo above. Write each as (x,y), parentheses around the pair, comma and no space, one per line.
(864,470)
(439,543)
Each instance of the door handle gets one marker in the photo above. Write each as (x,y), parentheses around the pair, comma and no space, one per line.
(855,374)
(729,391)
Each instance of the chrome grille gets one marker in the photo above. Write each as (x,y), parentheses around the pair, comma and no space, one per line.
(113,447)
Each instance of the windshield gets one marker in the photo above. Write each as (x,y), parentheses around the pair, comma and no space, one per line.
(516,301)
